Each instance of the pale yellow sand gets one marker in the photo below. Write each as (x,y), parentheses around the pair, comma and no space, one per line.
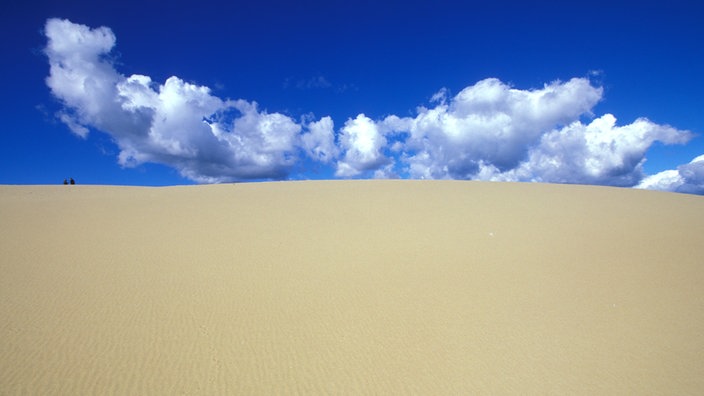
(358,287)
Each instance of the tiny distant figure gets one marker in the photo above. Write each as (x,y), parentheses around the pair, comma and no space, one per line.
(73,181)
(65,182)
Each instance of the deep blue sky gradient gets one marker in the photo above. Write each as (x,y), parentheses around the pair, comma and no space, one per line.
(342,58)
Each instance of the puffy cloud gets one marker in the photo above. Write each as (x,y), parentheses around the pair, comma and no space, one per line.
(176,123)
(319,142)
(362,143)
(488,131)
(687,178)
(490,123)
(80,75)
(597,153)
(668,180)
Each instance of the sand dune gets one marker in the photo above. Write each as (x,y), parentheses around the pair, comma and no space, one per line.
(354,287)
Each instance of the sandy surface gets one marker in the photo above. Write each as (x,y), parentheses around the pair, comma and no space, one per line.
(357,287)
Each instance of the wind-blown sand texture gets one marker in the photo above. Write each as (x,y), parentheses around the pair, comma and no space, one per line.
(351,287)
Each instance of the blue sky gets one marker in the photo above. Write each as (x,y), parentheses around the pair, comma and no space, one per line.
(144,93)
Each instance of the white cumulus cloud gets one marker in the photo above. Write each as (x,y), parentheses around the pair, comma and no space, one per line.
(179,124)
(491,131)
(596,153)
(490,123)
(362,142)
(687,178)
(319,141)
(487,131)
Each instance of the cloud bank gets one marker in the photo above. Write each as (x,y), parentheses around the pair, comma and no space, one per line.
(488,131)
